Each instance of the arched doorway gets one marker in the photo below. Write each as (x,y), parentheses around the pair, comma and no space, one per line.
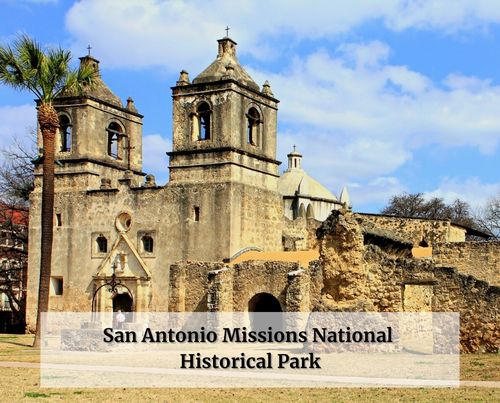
(264,302)
(124,303)
(265,312)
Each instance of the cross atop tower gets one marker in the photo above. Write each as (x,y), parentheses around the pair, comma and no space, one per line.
(89,48)
(227,30)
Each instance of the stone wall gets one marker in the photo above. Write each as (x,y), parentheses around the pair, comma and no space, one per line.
(422,232)
(204,286)
(300,234)
(479,259)
(361,276)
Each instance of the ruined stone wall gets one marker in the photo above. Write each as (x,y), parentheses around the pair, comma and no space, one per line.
(479,259)
(371,279)
(478,304)
(417,229)
(189,285)
(300,234)
(198,286)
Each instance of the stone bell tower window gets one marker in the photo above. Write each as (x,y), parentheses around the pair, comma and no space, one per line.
(203,115)
(115,138)
(65,131)
(253,119)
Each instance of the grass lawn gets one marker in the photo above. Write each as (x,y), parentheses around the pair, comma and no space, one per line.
(22,384)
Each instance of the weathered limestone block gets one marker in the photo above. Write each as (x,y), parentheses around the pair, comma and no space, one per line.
(341,256)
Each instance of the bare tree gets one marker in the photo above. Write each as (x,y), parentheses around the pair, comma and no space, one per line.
(17,171)
(415,205)
(16,183)
(488,217)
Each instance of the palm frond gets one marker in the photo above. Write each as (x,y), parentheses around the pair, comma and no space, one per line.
(47,74)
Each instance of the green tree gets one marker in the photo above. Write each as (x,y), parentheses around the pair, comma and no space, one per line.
(47,74)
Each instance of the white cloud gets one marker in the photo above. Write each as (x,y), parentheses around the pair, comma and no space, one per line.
(447,15)
(376,191)
(472,190)
(366,120)
(179,34)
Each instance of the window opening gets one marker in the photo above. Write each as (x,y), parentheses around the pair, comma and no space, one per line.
(253,118)
(115,134)
(204,120)
(147,243)
(65,129)
(102,244)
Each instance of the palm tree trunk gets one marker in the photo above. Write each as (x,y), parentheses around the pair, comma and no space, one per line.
(49,123)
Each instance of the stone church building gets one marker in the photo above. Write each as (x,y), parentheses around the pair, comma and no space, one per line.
(228,232)
(222,197)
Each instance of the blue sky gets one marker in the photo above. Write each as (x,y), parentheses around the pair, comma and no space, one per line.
(383,97)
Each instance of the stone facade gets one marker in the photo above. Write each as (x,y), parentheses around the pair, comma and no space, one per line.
(222,196)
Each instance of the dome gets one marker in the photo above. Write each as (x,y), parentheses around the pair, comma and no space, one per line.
(99,89)
(226,67)
(295,181)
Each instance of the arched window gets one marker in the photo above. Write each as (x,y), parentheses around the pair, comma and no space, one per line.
(203,112)
(115,136)
(102,244)
(65,131)
(253,119)
(423,243)
(310,211)
(147,243)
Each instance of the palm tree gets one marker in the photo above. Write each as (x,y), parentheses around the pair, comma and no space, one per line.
(46,74)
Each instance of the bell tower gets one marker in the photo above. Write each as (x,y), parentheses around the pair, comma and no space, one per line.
(224,120)
(224,140)
(98,137)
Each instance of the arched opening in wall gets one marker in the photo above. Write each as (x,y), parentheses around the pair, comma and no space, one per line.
(253,118)
(102,244)
(115,139)
(264,302)
(124,303)
(147,243)
(65,129)
(265,311)
(423,243)
(302,210)
(310,211)
(203,112)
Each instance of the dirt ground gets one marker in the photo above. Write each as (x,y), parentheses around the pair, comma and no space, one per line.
(22,384)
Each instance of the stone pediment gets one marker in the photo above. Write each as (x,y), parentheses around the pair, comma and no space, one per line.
(128,263)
